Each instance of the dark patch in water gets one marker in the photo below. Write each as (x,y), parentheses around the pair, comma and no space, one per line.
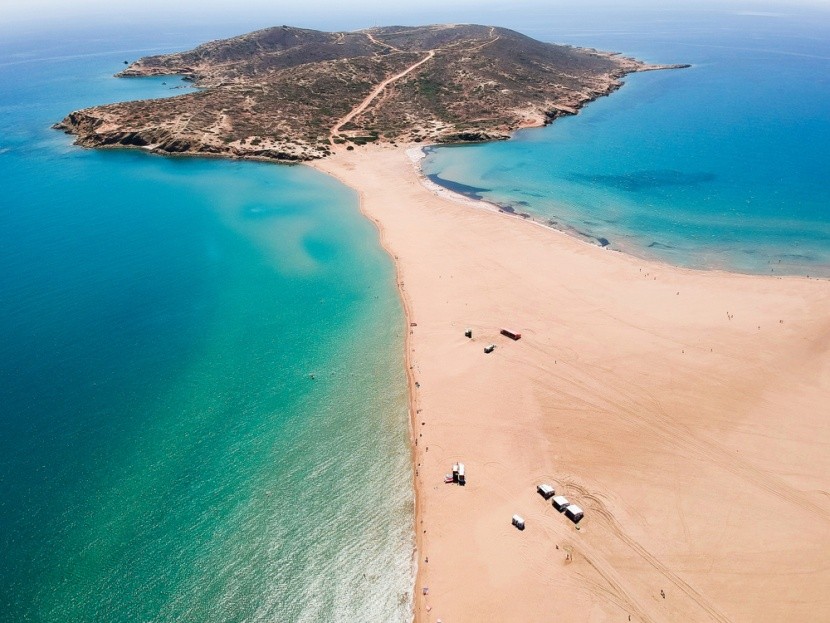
(473,192)
(639,181)
(602,241)
(660,245)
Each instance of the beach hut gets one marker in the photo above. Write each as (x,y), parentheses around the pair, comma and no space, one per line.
(560,502)
(546,491)
(519,522)
(455,472)
(489,348)
(574,513)
(513,335)
(468,333)
(462,479)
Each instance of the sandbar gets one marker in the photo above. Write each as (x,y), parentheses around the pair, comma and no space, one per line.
(685,411)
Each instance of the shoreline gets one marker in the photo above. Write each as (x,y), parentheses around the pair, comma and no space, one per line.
(412,397)
(635,251)
(428,515)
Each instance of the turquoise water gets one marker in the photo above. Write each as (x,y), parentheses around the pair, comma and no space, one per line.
(165,454)
(724,165)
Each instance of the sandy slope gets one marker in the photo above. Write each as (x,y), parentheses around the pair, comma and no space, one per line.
(687,412)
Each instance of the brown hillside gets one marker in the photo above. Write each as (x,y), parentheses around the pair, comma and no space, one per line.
(290,94)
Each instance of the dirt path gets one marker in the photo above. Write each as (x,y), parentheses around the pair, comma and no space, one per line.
(493,38)
(381,43)
(375,92)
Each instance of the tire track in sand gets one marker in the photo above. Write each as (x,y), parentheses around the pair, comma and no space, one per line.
(598,507)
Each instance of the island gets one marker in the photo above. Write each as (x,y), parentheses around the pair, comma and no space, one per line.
(683,412)
(290,94)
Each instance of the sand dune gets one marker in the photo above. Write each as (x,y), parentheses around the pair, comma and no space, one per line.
(685,411)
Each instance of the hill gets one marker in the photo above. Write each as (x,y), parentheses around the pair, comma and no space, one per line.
(291,94)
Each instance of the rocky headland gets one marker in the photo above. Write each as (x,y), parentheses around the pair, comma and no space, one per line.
(289,94)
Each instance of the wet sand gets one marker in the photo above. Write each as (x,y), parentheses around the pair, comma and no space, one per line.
(685,411)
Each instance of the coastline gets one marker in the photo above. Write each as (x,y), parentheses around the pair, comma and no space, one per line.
(526,96)
(598,563)
(413,404)
(412,396)
(417,153)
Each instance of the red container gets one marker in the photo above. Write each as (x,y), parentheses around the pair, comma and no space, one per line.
(513,335)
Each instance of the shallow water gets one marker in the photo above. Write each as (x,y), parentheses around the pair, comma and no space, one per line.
(723,165)
(165,453)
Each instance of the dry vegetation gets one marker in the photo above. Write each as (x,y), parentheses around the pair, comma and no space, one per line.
(277,94)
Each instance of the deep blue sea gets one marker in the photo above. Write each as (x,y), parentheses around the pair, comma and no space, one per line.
(202,397)
(165,454)
(723,165)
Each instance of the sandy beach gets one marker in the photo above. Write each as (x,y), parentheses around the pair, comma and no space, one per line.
(684,411)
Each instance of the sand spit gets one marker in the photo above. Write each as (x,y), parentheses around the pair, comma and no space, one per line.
(685,411)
